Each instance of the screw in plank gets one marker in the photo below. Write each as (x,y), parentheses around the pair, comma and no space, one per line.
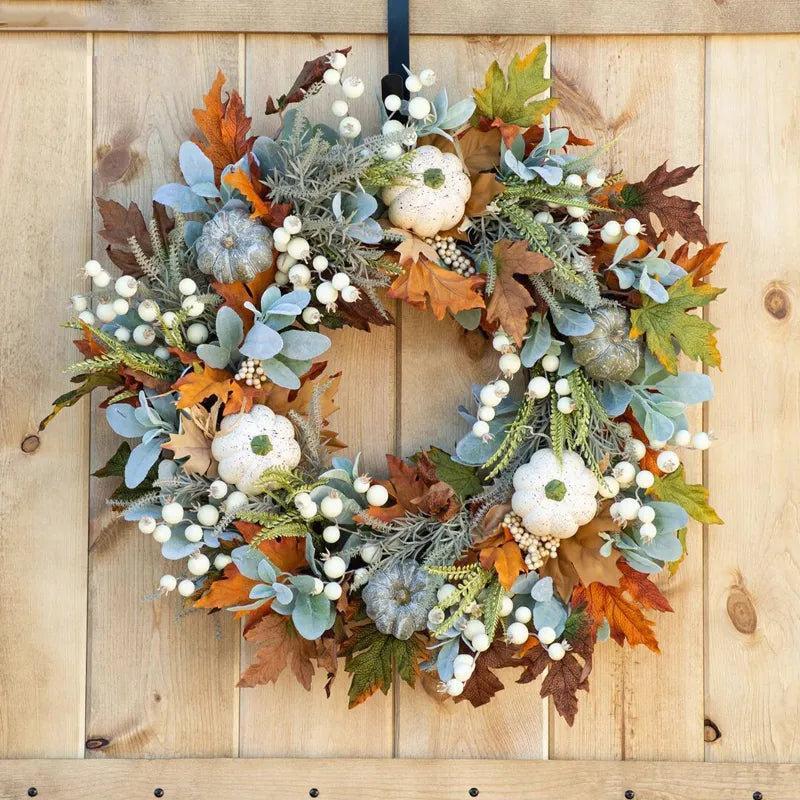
(314,792)
(33,791)
(473,792)
(630,794)
(158,792)
(757,796)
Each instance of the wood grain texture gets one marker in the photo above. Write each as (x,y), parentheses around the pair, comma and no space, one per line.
(753,623)
(641,705)
(398,779)
(365,421)
(44,241)
(158,685)
(439,363)
(539,17)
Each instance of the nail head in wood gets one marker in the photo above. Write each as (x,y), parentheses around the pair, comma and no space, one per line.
(158,792)
(757,796)
(33,791)
(630,794)
(313,792)
(473,792)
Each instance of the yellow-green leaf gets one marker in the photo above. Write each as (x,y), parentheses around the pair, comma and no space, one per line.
(659,323)
(506,98)
(692,497)
(674,565)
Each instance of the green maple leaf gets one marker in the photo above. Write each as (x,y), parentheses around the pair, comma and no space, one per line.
(371,658)
(463,479)
(507,98)
(692,497)
(661,322)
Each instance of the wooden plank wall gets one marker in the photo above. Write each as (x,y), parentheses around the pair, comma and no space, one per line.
(90,668)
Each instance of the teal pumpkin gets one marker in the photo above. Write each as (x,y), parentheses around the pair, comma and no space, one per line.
(608,353)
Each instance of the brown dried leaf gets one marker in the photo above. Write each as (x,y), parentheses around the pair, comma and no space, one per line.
(198,426)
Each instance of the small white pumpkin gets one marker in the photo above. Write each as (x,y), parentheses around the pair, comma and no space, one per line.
(434,198)
(248,444)
(554,499)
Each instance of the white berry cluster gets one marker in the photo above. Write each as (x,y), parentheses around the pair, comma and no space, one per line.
(536,549)
(108,309)
(539,387)
(295,252)
(352,88)
(419,109)
(451,255)
(251,372)
(205,516)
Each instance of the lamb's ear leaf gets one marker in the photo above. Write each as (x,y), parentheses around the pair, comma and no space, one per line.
(302,345)
(214,355)
(262,342)
(280,374)
(230,328)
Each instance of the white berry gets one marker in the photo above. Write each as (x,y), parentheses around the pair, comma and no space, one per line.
(92,268)
(281,238)
(331,76)
(646,514)
(539,387)
(361,484)
(506,606)
(144,335)
(298,248)
(556,651)
(187,286)
(126,286)
(488,396)
(197,333)
(186,588)
(334,567)
(369,552)
(87,317)
(325,293)
(427,77)
(546,635)
(352,87)
(309,510)
(632,226)
(501,388)
(474,628)
(573,181)
(550,363)
(234,501)
(172,513)
(147,311)
(392,102)
(79,303)
(147,524)
(162,533)
(454,687)
(517,633)
(331,534)
(562,387)
(419,107)
(339,108)
(331,506)
(480,428)
(608,487)
(638,448)
(377,495)
(481,642)
(625,472)
(523,614)
(580,229)
(413,83)
(628,508)
(445,591)
(668,461)
(486,413)
(101,280)
(221,561)
(168,583)
(193,533)
(208,515)
(500,342)
(105,312)
(509,364)
(122,334)
(340,280)
(645,479)
(576,211)
(198,564)
(333,591)
(566,405)
(611,232)
(682,438)
(595,178)
(338,60)
(217,490)
(349,127)
(701,441)
(121,306)
(648,531)
(311,315)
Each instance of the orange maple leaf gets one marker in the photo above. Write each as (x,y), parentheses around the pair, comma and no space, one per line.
(641,588)
(237,293)
(446,290)
(224,125)
(232,590)
(198,386)
(701,264)
(502,553)
(625,619)
(288,554)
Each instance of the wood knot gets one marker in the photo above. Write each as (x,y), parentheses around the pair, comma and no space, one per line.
(474,344)
(97,743)
(741,610)
(117,163)
(710,731)
(777,302)
(30,444)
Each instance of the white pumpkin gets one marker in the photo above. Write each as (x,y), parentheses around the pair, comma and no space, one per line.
(434,198)
(248,444)
(554,499)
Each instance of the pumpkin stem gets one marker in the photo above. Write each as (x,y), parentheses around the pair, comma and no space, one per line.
(403,596)
(229,241)
(433,177)
(555,490)
(261,445)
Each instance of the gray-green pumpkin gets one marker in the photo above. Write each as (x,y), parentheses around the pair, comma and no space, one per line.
(398,598)
(234,247)
(608,353)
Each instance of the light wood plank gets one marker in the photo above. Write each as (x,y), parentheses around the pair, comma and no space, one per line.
(158,686)
(365,421)
(400,779)
(44,241)
(642,705)
(753,622)
(528,17)
(440,362)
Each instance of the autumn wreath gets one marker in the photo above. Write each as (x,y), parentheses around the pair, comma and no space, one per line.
(540,534)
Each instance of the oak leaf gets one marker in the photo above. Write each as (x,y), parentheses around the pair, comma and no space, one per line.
(412,248)
(676,214)
(195,387)
(224,125)
(423,281)
(193,443)
(510,302)
(659,323)
(120,225)
(282,646)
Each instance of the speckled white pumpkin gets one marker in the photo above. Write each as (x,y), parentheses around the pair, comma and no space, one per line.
(248,444)
(554,499)
(434,199)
